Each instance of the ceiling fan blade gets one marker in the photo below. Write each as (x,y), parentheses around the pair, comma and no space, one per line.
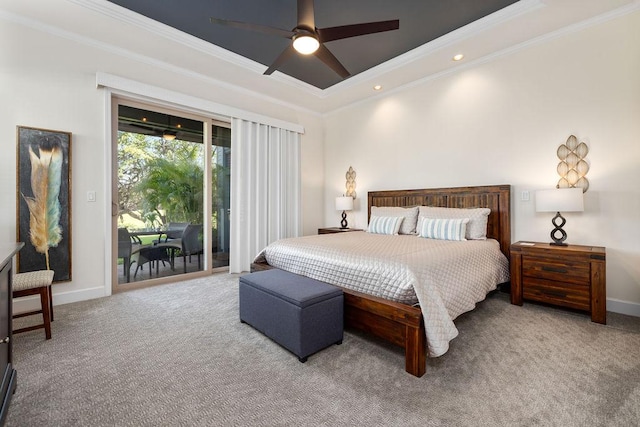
(284,56)
(305,15)
(327,57)
(253,27)
(346,31)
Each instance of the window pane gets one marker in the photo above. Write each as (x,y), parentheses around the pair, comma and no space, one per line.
(160,194)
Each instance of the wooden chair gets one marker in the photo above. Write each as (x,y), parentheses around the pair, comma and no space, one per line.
(34,283)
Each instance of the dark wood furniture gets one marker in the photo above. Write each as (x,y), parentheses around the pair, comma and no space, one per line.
(9,379)
(35,283)
(571,276)
(402,324)
(331,230)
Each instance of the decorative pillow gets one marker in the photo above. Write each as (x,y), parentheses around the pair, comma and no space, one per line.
(478,218)
(384,224)
(444,229)
(410,216)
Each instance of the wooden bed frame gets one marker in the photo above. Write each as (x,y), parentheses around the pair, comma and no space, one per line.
(402,324)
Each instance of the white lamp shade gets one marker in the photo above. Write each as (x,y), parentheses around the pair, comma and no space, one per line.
(344,203)
(560,200)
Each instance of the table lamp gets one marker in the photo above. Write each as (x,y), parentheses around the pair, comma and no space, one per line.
(559,200)
(344,204)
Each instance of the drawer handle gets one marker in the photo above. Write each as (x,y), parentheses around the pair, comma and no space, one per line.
(554,269)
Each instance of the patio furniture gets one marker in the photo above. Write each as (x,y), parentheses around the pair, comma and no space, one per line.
(174,231)
(128,244)
(149,255)
(189,244)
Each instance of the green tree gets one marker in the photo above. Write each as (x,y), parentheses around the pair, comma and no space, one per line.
(173,189)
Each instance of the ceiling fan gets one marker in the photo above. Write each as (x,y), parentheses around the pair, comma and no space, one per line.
(307,39)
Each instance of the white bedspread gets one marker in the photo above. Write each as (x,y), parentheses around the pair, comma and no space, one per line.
(446,278)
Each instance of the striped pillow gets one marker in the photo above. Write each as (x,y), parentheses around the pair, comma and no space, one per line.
(444,229)
(410,216)
(384,224)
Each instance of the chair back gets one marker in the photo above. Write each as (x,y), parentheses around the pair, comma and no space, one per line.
(191,239)
(176,229)
(124,243)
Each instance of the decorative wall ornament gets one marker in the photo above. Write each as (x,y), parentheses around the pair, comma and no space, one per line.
(573,167)
(44,201)
(351,183)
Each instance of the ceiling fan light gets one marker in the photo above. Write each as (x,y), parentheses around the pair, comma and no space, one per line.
(305,44)
(169,135)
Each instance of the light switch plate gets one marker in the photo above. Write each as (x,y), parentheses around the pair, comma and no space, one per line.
(524,196)
(91,196)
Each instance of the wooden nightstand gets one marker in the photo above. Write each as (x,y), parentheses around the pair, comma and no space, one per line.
(329,230)
(571,276)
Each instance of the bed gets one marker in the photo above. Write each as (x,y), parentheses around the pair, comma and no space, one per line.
(400,323)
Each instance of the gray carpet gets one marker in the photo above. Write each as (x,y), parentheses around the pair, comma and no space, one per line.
(177,355)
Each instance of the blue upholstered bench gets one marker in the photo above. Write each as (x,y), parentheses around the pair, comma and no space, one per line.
(301,314)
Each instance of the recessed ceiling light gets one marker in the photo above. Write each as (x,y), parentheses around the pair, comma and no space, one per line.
(377,87)
(458,57)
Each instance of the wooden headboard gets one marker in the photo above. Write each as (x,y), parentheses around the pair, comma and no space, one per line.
(495,197)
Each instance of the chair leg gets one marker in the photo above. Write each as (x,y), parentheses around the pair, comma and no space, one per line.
(127,268)
(50,295)
(46,314)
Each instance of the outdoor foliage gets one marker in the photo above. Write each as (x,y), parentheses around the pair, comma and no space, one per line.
(160,181)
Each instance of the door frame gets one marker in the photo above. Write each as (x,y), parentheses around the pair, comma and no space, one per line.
(114,100)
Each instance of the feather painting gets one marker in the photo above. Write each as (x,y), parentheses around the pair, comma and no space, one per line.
(44,207)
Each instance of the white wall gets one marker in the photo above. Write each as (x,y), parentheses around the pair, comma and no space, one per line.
(49,82)
(501,122)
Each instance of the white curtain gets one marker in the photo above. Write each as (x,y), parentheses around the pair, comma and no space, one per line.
(265,189)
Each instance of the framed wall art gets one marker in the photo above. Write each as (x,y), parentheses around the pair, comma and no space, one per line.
(43,191)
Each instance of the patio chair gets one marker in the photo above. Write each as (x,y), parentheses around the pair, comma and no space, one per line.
(189,244)
(174,231)
(126,248)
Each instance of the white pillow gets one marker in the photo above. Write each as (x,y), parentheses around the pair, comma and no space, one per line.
(478,218)
(410,216)
(384,224)
(444,229)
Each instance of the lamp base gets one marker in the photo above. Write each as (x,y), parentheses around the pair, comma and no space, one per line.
(558,240)
(343,223)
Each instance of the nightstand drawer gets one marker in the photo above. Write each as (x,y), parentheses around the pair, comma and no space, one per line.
(570,295)
(564,270)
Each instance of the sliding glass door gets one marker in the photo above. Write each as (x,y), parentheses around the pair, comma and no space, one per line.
(165,163)
(221,193)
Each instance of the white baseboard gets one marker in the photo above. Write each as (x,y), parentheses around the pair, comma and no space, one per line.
(623,307)
(32,303)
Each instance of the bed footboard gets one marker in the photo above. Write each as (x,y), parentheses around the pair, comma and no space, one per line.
(397,323)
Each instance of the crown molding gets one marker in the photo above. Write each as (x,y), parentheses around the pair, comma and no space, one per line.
(458,35)
(106,47)
(570,29)
(125,15)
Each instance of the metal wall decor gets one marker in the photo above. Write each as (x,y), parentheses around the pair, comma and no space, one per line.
(573,167)
(351,183)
